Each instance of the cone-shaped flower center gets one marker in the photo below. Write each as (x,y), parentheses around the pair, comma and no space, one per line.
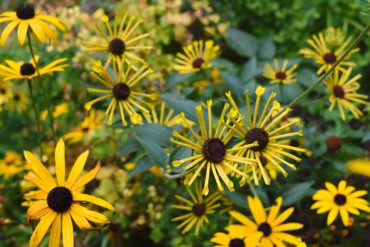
(117,47)
(199,209)
(60,199)
(25,12)
(198,63)
(259,135)
(280,75)
(340,199)
(27,69)
(121,91)
(265,228)
(330,58)
(338,92)
(236,242)
(214,150)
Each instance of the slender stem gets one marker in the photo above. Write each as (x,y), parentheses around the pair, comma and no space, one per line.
(281,92)
(324,76)
(46,95)
(36,112)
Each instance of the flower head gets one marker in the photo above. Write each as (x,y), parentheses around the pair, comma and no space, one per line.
(283,75)
(334,37)
(342,199)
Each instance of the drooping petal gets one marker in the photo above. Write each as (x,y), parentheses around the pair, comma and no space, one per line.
(92,199)
(41,229)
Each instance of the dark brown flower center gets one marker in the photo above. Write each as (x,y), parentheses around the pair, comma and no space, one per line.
(330,58)
(214,150)
(59,199)
(340,199)
(27,69)
(236,242)
(121,91)
(338,92)
(199,209)
(259,135)
(117,47)
(355,124)
(16,97)
(2,91)
(85,129)
(265,228)
(263,160)
(280,75)
(198,63)
(25,12)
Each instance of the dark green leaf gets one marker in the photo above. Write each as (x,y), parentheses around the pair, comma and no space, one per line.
(296,192)
(249,70)
(156,133)
(154,151)
(241,42)
(142,165)
(267,48)
(181,105)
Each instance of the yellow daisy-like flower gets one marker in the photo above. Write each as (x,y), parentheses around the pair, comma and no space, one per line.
(121,92)
(12,70)
(265,128)
(11,164)
(210,151)
(198,209)
(56,203)
(119,40)
(343,200)
(18,101)
(27,19)
(196,56)
(334,36)
(359,166)
(343,92)
(87,127)
(232,238)
(6,91)
(266,230)
(326,56)
(281,75)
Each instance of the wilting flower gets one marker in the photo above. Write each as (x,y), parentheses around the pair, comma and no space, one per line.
(119,40)
(230,239)
(327,56)
(283,75)
(56,203)
(196,56)
(28,20)
(359,166)
(334,36)
(343,200)
(266,230)
(198,209)
(12,70)
(121,92)
(210,151)
(343,92)
(265,129)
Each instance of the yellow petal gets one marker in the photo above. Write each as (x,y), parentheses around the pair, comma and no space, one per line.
(22,32)
(80,219)
(86,178)
(38,31)
(344,215)
(60,162)
(7,30)
(55,232)
(67,229)
(92,199)
(43,226)
(77,168)
(332,215)
(91,215)
(257,210)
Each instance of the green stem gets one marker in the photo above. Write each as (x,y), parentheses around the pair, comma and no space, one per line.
(46,95)
(36,112)
(324,76)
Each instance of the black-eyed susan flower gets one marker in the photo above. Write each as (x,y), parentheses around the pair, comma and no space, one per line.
(334,36)
(283,75)
(340,200)
(210,151)
(232,238)
(12,70)
(56,203)
(119,41)
(11,164)
(327,56)
(343,93)
(264,128)
(197,209)
(359,166)
(18,101)
(196,56)
(122,92)
(266,230)
(29,20)
(6,91)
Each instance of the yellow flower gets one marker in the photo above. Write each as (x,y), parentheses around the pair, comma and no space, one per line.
(334,36)
(265,230)
(122,92)
(281,75)
(119,40)
(22,70)
(343,93)
(230,239)
(56,203)
(6,91)
(59,110)
(326,56)
(11,164)
(87,127)
(28,20)
(359,166)
(197,56)
(18,101)
(210,151)
(342,200)
(265,129)
(198,209)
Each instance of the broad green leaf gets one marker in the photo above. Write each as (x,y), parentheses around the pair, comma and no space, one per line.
(249,70)
(233,83)
(296,192)
(267,48)
(142,165)
(154,151)
(129,146)
(244,44)
(181,105)
(156,133)
(238,199)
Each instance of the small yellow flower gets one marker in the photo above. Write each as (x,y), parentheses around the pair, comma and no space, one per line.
(334,36)
(28,20)
(281,75)
(6,91)
(342,199)
(231,238)
(197,56)
(359,166)
(11,164)
(18,101)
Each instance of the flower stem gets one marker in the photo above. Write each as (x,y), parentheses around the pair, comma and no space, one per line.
(46,95)
(324,76)
(36,112)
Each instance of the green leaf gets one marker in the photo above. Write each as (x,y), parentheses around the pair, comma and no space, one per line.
(154,151)
(142,165)
(130,145)
(180,105)
(233,83)
(296,192)
(241,42)
(238,199)
(249,70)
(156,133)
(306,77)
(267,48)
(178,154)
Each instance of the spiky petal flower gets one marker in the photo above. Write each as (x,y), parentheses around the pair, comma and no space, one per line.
(283,75)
